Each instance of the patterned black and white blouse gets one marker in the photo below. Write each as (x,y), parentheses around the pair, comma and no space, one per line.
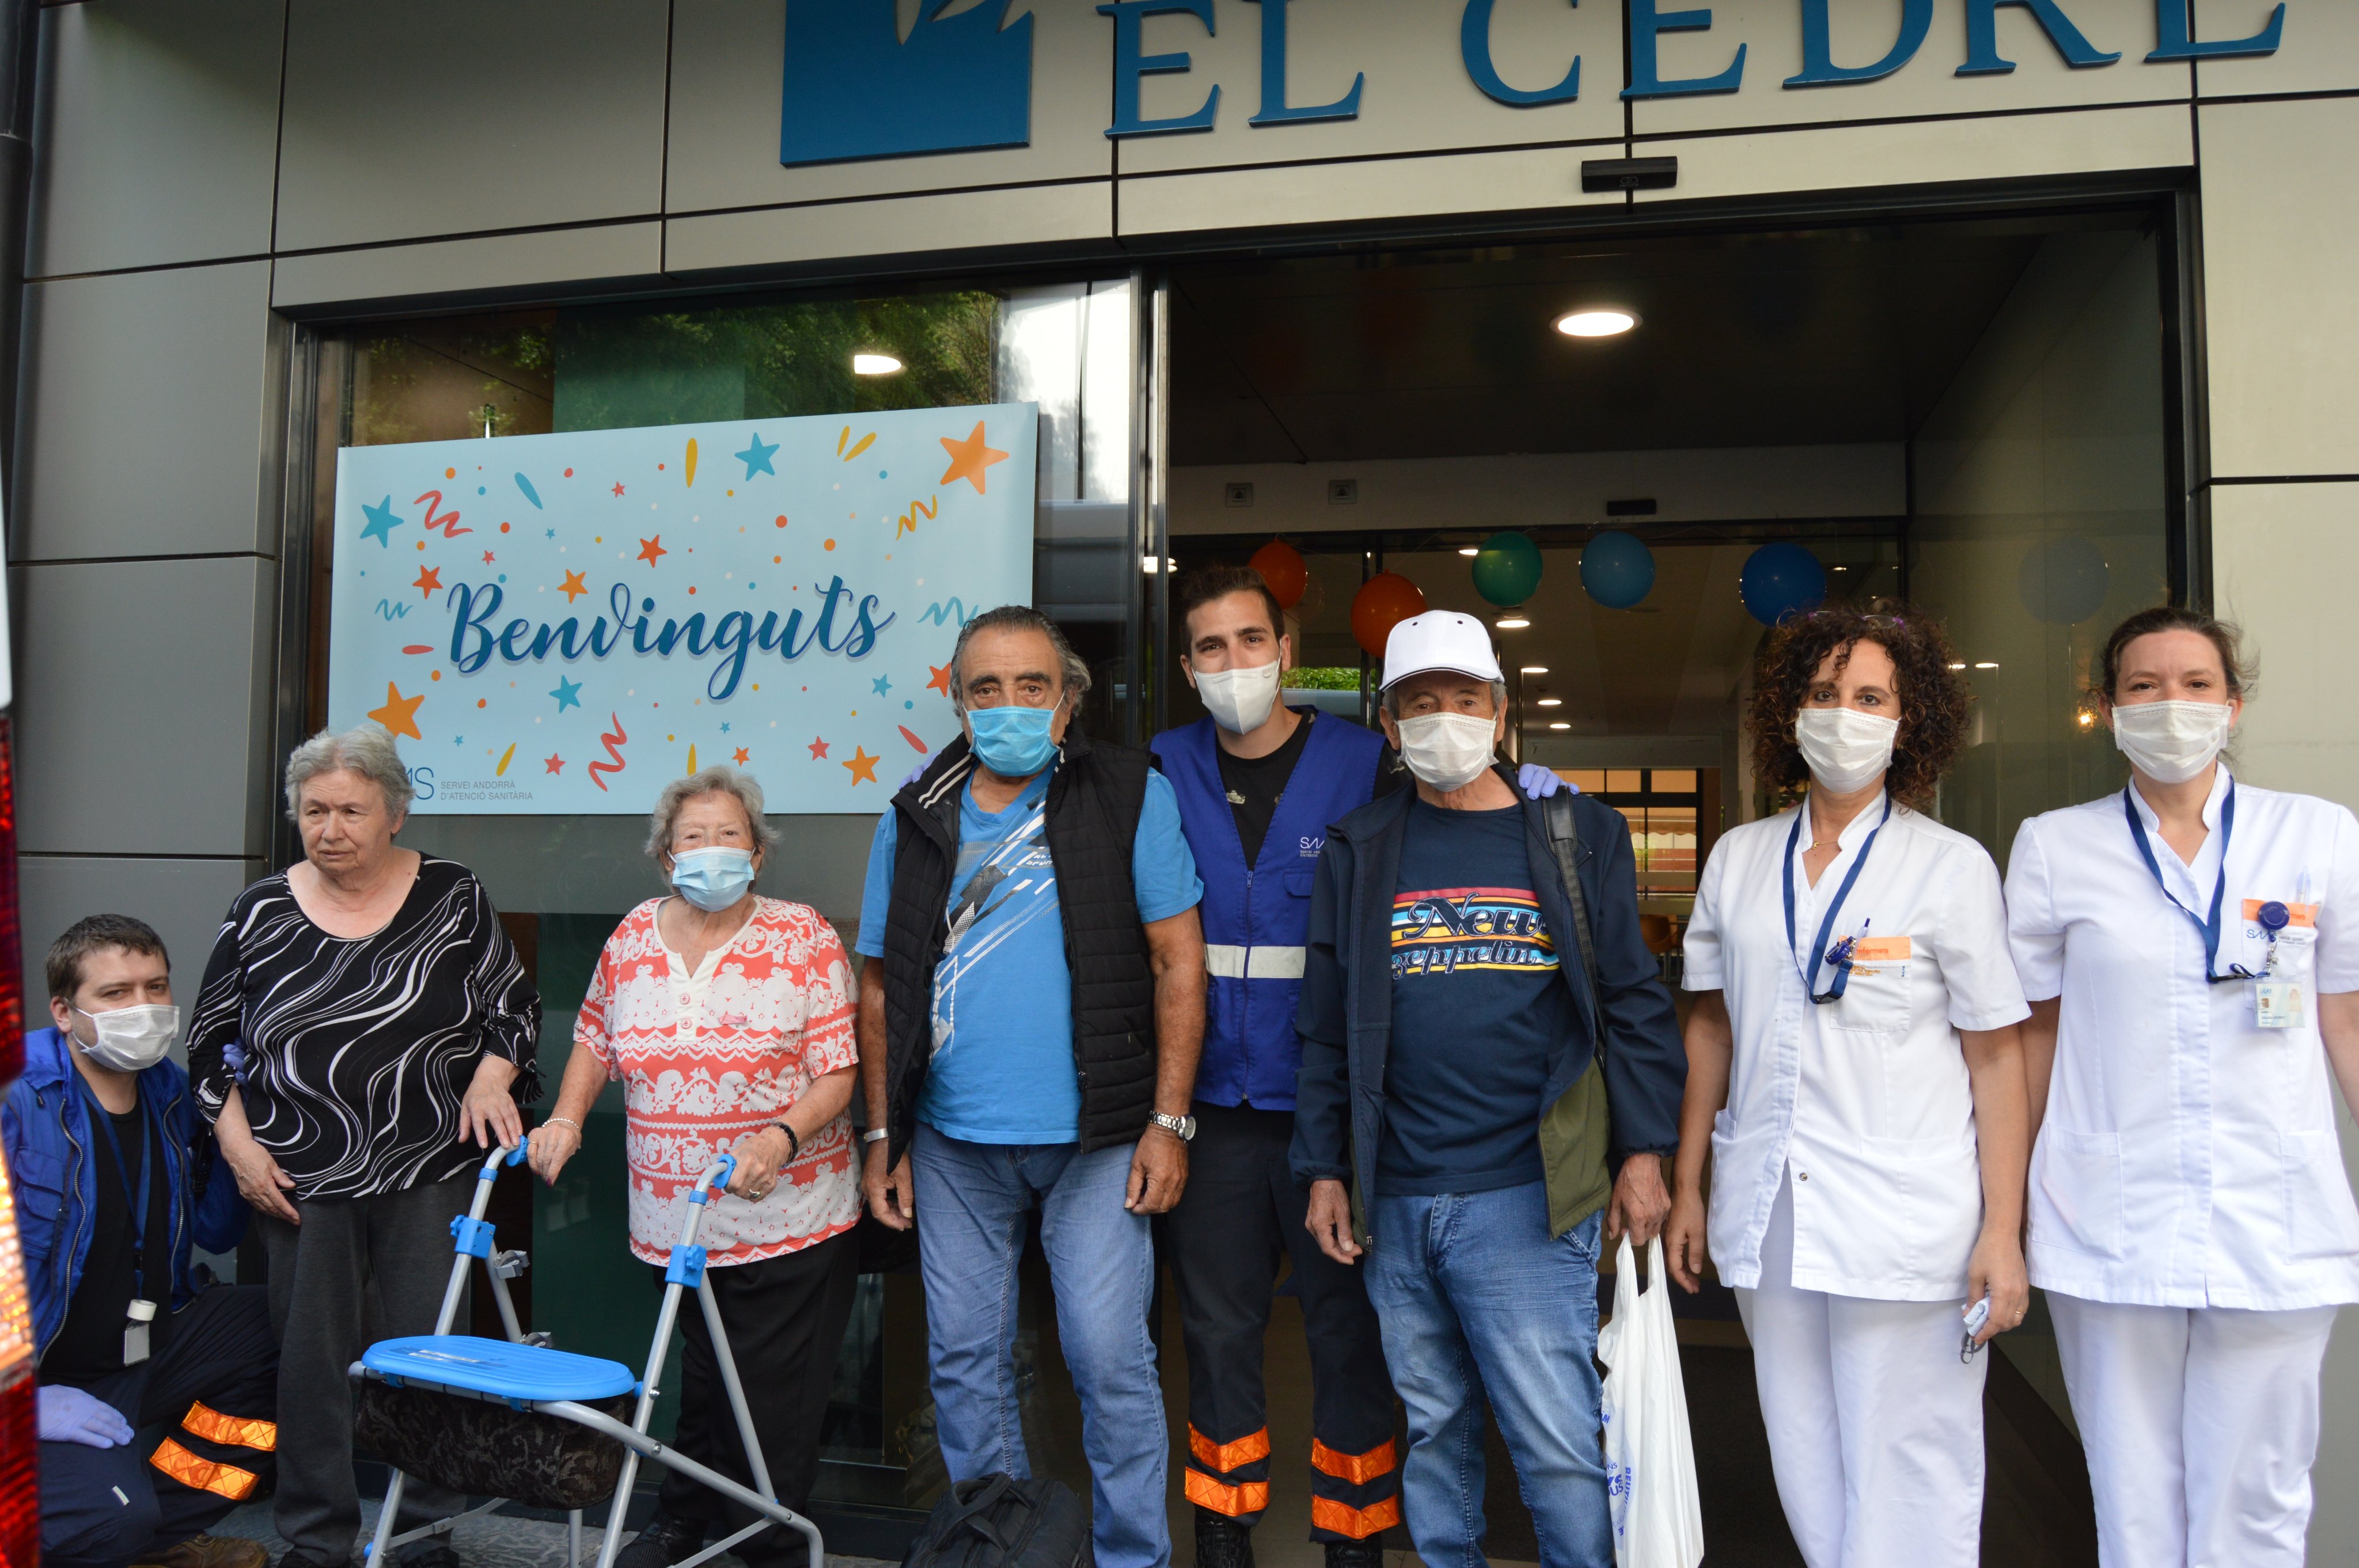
(356,1052)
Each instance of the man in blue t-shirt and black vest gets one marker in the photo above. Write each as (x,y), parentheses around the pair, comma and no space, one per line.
(1258,783)
(1030,1011)
(1485,1040)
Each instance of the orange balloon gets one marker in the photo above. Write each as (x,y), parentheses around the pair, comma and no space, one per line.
(1282,566)
(1384,601)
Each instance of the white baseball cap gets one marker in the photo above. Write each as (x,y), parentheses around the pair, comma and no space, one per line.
(1440,640)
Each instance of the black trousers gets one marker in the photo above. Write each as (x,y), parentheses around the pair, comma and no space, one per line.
(785,1318)
(1240,1215)
(213,1387)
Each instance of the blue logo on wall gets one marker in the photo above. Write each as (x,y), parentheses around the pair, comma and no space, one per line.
(856,89)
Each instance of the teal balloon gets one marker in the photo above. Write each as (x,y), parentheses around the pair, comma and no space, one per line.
(1781,580)
(1507,569)
(1617,570)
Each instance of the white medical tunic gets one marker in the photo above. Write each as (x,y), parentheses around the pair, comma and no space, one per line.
(2189,1156)
(1865,1099)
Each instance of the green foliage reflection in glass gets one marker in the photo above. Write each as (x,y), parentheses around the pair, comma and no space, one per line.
(1322,679)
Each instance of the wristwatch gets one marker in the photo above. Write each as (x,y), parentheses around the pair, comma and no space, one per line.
(1183,1127)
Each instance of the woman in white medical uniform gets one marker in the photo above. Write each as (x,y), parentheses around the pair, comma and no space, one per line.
(2185,941)
(1855,1073)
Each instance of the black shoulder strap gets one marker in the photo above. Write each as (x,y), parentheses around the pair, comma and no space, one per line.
(1564,837)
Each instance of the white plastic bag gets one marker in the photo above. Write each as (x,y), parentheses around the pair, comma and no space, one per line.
(1649,1460)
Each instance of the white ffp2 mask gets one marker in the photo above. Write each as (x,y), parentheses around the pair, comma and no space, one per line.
(1448,751)
(2170,742)
(1844,747)
(131,1039)
(1239,699)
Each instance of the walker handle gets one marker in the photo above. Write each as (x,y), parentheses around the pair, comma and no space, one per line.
(725,1167)
(500,1156)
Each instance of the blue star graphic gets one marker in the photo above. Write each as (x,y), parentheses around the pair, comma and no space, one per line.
(724,729)
(381,523)
(568,694)
(883,685)
(756,458)
(552,533)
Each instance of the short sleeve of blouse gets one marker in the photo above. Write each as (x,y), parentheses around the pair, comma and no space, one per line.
(1703,970)
(2338,914)
(2033,932)
(828,1042)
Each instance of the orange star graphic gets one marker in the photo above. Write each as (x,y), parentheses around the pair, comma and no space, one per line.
(862,766)
(819,750)
(742,754)
(650,548)
(970,458)
(399,713)
(429,579)
(555,763)
(941,681)
(573,587)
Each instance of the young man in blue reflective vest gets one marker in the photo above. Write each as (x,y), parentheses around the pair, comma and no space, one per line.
(1257,783)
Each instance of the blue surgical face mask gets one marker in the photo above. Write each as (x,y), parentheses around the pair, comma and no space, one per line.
(1013,741)
(712,879)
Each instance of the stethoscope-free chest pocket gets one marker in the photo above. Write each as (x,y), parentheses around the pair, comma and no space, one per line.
(1876,995)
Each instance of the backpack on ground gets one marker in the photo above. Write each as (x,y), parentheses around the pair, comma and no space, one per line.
(998,1521)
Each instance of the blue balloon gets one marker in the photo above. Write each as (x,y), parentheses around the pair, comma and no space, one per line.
(1781,580)
(1617,570)
(2063,581)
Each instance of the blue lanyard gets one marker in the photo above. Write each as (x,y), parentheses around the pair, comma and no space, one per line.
(146,1185)
(1841,954)
(2210,928)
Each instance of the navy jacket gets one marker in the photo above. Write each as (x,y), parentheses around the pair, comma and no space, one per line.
(1256,916)
(1345,1021)
(53,1164)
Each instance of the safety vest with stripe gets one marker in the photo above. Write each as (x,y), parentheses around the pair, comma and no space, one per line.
(1258,918)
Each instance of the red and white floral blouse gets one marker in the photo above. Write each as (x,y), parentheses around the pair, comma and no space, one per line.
(706,1058)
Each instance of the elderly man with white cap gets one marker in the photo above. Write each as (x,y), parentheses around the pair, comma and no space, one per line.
(1485,1040)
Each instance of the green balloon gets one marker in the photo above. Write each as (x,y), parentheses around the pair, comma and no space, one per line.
(1507,569)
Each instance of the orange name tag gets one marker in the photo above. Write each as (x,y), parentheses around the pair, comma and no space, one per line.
(2303,914)
(1881,950)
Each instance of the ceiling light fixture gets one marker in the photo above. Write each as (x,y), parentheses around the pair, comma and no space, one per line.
(1512,620)
(1470,549)
(1986,666)
(1597,321)
(1535,670)
(1559,724)
(1551,702)
(875,364)
(1959,666)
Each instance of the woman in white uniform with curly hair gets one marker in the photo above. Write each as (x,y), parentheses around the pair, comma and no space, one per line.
(2187,945)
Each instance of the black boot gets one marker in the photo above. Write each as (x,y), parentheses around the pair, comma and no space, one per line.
(1222,1541)
(665,1541)
(1368,1553)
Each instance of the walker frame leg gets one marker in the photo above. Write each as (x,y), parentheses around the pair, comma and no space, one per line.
(383,1540)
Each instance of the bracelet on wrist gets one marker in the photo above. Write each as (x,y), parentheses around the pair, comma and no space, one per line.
(794,1142)
(564,1121)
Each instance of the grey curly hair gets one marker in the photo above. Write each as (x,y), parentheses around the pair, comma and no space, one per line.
(367,750)
(1073,669)
(718,779)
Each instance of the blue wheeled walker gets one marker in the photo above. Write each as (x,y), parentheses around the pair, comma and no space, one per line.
(516,1420)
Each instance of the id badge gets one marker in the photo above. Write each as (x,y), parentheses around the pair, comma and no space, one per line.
(2278,1004)
(135,1333)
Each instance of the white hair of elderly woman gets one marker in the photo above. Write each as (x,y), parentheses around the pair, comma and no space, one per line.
(367,750)
(718,779)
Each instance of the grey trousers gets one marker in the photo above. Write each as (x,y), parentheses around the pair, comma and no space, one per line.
(356,1270)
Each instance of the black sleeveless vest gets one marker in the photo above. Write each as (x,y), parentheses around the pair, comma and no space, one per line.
(1091,816)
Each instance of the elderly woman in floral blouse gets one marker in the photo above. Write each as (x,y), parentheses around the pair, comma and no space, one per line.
(727,1016)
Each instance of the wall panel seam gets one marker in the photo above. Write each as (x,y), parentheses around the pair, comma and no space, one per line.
(156,266)
(1880,121)
(874,197)
(135,560)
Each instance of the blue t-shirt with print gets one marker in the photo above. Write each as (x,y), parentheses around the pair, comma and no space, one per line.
(1003,1008)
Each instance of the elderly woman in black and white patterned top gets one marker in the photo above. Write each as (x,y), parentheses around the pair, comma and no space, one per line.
(383,1028)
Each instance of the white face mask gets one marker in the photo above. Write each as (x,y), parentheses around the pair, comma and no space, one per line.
(1845,749)
(2170,742)
(1448,751)
(131,1039)
(1239,699)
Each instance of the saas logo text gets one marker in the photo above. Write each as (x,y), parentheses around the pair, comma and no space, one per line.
(857,88)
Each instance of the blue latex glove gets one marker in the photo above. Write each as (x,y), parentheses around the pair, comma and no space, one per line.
(73,1415)
(1539,782)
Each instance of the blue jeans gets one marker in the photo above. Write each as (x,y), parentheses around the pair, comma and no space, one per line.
(973,1201)
(1475,1299)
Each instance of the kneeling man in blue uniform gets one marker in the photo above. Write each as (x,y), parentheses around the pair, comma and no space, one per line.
(1485,1040)
(115,1181)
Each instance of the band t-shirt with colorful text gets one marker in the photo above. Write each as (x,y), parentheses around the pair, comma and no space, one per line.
(1477,1000)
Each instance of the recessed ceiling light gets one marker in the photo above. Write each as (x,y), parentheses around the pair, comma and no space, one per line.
(1513,620)
(875,364)
(1470,549)
(1551,702)
(1535,670)
(1958,666)
(1986,666)
(1559,724)
(1597,321)
(2087,720)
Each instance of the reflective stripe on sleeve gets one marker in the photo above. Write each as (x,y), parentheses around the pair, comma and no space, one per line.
(204,1475)
(1227,1456)
(1228,962)
(1357,1523)
(235,1432)
(1359,1469)
(1249,1498)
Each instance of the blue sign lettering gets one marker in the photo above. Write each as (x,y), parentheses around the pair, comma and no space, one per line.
(1819,66)
(1646,70)
(1132,65)
(1983,58)
(2172,30)
(1474,48)
(1274,111)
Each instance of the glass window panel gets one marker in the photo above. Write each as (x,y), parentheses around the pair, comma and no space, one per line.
(1625,781)
(1589,780)
(1671,781)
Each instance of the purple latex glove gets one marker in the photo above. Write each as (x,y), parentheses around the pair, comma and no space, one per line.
(233,1056)
(72,1415)
(914,775)
(1539,782)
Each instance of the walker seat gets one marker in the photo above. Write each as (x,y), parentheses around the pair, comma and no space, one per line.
(517,1420)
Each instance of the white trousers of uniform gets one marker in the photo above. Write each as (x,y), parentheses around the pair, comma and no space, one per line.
(2200,1424)
(1876,1426)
